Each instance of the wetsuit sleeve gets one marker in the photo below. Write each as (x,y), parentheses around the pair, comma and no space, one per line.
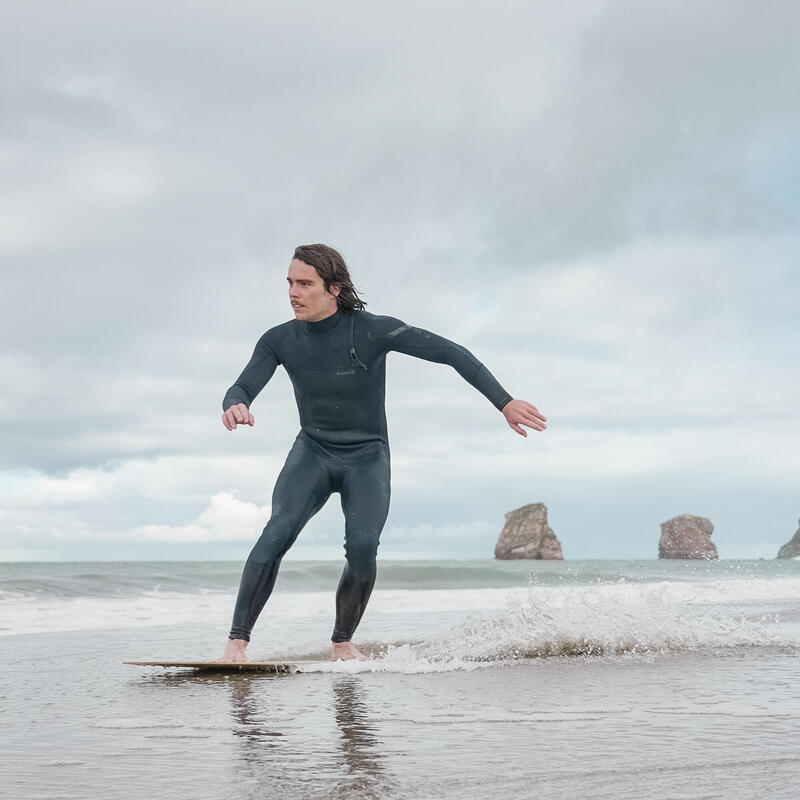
(254,376)
(420,343)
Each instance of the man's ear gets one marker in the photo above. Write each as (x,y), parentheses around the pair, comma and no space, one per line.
(335,289)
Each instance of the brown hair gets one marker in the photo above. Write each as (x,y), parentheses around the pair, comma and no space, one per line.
(330,266)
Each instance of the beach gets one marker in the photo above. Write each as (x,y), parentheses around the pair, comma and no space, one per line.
(489,679)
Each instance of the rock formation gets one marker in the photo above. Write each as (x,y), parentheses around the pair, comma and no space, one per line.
(526,534)
(687,536)
(792,548)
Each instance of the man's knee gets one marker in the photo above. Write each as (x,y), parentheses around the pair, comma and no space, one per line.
(276,538)
(361,549)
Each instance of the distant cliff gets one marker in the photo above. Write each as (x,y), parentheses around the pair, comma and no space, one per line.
(526,534)
(792,548)
(687,536)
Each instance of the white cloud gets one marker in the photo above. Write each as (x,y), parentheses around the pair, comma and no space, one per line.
(169,479)
(227,519)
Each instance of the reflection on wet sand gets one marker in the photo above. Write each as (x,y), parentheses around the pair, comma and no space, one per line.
(276,751)
(245,712)
(359,742)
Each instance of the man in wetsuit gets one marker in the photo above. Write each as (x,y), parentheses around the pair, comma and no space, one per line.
(335,354)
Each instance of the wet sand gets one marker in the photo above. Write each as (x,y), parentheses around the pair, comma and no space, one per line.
(77,723)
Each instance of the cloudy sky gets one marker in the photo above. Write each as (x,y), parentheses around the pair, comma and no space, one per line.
(599,199)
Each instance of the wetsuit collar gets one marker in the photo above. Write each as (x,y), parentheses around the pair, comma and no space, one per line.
(323,325)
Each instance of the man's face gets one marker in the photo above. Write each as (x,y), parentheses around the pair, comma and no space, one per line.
(307,294)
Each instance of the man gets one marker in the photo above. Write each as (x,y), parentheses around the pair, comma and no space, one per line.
(335,354)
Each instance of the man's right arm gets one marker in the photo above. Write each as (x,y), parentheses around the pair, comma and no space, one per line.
(254,377)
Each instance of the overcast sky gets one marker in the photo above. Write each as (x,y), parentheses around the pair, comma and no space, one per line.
(599,199)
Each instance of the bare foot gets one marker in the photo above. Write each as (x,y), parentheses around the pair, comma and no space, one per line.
(346,651)
(235,652)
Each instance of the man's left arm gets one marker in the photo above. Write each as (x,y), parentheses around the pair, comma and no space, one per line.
(429,346)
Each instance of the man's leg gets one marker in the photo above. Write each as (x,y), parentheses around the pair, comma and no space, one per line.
(302,488)
(365,502)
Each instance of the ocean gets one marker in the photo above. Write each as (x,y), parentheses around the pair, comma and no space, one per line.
(488,679)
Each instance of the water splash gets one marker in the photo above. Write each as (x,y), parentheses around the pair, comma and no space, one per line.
(603,620)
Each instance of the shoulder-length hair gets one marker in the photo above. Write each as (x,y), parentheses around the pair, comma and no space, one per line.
(330,266)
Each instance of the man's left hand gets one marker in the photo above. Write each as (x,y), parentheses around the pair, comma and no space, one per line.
(520,412)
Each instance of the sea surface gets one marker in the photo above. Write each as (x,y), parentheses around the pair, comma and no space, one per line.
(523,679)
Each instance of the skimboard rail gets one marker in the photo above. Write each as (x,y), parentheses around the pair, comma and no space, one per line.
(223,666)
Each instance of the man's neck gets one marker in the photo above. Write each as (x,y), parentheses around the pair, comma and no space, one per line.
(324,324)
(324,316)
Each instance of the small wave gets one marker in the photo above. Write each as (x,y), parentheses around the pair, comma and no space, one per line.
(112,580)
(583,622)
(129,579)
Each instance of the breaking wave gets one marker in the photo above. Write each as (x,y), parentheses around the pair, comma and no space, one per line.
(606,620)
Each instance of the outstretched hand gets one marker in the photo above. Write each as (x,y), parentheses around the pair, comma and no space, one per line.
(520,412)
(238,415)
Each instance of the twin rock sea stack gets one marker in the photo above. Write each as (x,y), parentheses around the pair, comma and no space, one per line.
(527,534)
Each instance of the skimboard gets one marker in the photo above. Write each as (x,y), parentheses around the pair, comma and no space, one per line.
(221,666)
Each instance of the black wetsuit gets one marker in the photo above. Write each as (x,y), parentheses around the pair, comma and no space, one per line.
(338,368)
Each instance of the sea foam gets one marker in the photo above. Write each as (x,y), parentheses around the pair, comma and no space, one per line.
(603,620)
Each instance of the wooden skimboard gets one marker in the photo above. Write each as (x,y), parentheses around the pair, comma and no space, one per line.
(220,666)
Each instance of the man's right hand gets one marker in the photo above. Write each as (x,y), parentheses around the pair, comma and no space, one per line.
(238,415)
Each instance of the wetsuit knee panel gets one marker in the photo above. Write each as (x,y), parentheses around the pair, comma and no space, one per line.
(276,537)
(361,548)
